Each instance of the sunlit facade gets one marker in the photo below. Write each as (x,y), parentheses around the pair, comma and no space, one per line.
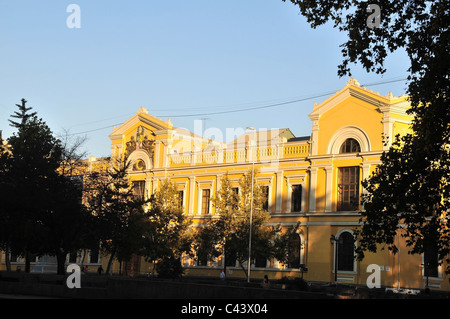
(313,180)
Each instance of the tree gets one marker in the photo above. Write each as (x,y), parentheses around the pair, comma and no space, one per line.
(33,161)
(41,213)
(65,222)
(119,214)
(5,209)
(23,116)
(166,235)
(228,235)
(411,186)
(284,248)
(215,238)
(72,156)
(406,190)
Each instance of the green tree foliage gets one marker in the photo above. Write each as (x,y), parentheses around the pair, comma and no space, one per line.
(284,248)
(411,186)
(169,267)
(6,221)
(228,234)
(120,219)
(215,239)
(41,212)
(167,233)
(33,162)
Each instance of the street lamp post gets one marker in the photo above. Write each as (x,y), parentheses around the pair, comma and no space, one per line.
(251,209)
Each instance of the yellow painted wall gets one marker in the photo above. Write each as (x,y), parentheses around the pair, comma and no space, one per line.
(351,112)
(293,163)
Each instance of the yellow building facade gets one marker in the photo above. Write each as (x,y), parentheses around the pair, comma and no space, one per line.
(313,180)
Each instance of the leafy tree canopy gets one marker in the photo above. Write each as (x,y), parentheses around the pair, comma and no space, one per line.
(411,186)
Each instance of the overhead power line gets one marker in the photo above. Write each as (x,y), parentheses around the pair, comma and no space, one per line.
(248,108)
(94,130)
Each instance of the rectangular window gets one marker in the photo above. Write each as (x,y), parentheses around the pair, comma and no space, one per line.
(205,201)
(230,259)
(296,198)
(260,261)
(202,258)
(78,181)
(294,247)
(73,257)
(180,199)
(139,189)
(348,188)
(430,261)
(94,254)
(13,258)
(265,191)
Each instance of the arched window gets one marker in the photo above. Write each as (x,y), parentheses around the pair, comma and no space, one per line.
(346,252)
(430,260)
(350,146)
(349,139)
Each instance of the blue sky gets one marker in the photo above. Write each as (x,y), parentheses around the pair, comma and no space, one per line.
(174,58)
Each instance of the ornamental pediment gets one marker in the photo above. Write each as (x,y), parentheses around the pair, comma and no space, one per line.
(141,118)
(142,139)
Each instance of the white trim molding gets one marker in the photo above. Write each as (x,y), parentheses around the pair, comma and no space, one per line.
(291,180)
(140,154)
(355,262)
(346,132)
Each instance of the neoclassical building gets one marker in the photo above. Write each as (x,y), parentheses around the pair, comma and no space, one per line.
(313,180)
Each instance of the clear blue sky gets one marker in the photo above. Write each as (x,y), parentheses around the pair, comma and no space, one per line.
(174,58)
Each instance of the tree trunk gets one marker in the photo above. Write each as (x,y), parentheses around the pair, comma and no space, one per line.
(243,269)
(111,258)
(225,258)
(224,261)
(27,262)
(82,257)
(7,259)
(61,261)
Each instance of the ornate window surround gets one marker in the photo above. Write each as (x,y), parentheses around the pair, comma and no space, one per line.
(139,155)
(341,135)
(297,179)
(355,262)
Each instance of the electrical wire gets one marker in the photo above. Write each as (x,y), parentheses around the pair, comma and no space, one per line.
(248,108)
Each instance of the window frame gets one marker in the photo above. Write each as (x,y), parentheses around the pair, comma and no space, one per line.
(298,244)
(295,180)
(139,182)
(297,199)
(266,204)
(201,203)
(354,271)
(438,267)
(341,204)
(180,195)
(350,143)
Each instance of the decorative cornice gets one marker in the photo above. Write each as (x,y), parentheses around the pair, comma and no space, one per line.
(396,104)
